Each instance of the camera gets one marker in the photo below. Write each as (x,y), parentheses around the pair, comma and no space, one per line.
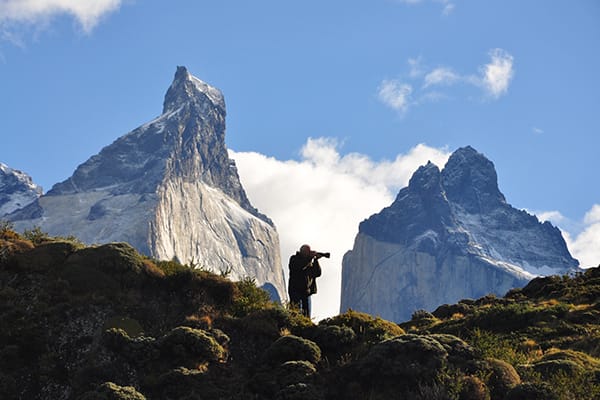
(319,255)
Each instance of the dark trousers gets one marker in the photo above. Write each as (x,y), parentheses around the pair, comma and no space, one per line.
(302,303)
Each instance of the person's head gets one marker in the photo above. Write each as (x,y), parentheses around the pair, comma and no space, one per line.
(305,250)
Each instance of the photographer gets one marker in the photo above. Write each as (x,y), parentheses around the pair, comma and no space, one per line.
(304,269)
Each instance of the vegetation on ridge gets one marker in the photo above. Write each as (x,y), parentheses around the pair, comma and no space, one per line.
(104,322)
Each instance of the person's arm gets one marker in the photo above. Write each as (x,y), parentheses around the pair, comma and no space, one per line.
(315,270)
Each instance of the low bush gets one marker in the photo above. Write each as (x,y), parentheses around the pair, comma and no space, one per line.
(111,391)
(292,348)
(368,329)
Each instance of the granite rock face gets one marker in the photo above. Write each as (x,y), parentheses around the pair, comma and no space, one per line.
(449,235)
(169,189)
(17,190)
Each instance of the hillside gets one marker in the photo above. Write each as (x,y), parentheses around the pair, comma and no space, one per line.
(104,322)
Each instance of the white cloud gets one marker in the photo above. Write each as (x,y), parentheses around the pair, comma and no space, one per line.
(88,13)
(586,245)
(553,216)
(497,74)
(537,131)
(440,76)
(321,199)
(583,238)
(395,94)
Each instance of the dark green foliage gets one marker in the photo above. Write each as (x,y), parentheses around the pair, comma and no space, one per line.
(292,348)
(500,376)
(333,340)
(368,329)
(104,322)
(191,346)
(292,372)
(249,298)
(299,391)
(532,391)
(409,357)
(421,314)
(472,388)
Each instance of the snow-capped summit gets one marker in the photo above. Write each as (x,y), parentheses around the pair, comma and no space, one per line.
(170,189)
(449,235)
(17,190)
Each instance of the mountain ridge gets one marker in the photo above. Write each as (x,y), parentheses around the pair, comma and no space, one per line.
(454,219)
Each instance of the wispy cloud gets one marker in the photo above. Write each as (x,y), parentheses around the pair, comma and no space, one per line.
(422,84)
(31,12)
(447,5)
(440,76)
(322,198)
(537,130)
(395,94)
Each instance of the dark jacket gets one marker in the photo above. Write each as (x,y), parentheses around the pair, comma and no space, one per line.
(303,271)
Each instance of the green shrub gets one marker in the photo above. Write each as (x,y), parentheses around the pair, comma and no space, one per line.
(472,388)
(459,351)
(499,376)
(111,391)
(292,348)
(171,267)
(248,298)
(408,357)
(368,329)
(138,350)
(532,391)
(291,372)
(36,235)
(335,341)
(492,345)
(129,325)
(191,346)
(299,391)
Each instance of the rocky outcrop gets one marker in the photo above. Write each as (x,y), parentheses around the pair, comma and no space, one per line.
(169,189)
(449,235)
(17,190)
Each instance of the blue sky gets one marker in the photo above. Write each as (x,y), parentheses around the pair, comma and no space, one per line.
(351,95)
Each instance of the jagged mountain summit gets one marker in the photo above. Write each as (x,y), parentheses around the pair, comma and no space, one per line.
(169,189)
(17,190)
(449,235)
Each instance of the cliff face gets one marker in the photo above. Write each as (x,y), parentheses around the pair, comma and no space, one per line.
(449,235)
(169,189)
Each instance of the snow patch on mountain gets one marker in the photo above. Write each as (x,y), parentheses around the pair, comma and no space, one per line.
(17,190)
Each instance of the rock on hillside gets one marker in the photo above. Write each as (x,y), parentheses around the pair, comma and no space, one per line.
(449,235)
(169,189)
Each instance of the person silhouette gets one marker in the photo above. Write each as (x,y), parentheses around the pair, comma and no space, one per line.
(304,270)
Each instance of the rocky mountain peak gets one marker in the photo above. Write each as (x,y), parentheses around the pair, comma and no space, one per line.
(470,180)
(426,179)
(448,235)
(186,88)
(17,190)
(169,189)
